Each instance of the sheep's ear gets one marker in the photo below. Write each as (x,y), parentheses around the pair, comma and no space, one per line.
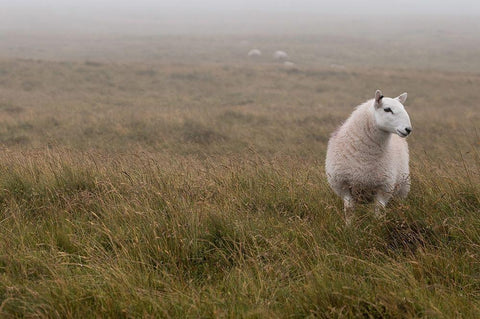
(378,98)
(402,97)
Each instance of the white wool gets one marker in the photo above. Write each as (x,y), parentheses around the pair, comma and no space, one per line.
(365,162)
(254,53)
(280,55)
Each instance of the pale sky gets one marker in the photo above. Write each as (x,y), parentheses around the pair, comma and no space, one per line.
(228,16)
(469,7)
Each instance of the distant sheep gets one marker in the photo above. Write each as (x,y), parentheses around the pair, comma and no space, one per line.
(280,55)
(254,53)
(367,157)
(289,65)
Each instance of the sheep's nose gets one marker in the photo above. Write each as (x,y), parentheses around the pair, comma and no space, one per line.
(408,130)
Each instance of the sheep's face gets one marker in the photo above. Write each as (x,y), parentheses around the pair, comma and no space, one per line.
(391,116)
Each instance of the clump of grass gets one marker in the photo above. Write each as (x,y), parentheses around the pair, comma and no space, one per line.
(232,117)
(195,132)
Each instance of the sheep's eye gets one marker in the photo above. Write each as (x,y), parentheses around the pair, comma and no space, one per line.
(387,109)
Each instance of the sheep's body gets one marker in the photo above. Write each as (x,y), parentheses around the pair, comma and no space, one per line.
(280,55)
(254,53)
(366,163)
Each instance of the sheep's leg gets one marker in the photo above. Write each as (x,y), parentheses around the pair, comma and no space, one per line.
(348,208)
(381,200)
(379,209)
(403,187)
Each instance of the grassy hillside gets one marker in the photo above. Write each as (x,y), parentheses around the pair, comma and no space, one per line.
(198,190)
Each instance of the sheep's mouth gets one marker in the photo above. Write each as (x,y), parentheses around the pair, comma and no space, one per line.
(401,133)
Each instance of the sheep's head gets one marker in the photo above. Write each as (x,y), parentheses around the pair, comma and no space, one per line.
(390,114)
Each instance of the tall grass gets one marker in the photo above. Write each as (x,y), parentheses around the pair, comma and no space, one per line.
(199,191)
(91,235)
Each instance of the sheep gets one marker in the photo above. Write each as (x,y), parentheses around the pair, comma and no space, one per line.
(254,53)
(280,55)
(367,157)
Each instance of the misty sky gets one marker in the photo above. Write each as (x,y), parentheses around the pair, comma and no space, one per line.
(458,7)
(220,16)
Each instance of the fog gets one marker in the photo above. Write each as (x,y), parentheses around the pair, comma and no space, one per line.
(326,7)
(421,34)
(191,16)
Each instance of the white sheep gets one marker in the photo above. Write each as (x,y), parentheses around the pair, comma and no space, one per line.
(254,53)
(367,157)
(280,55)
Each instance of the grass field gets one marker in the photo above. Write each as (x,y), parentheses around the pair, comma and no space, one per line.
(156,188)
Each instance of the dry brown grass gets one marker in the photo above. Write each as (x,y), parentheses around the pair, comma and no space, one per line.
(168,190)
